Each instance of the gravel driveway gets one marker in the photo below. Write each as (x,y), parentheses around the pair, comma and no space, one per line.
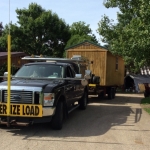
(118,124)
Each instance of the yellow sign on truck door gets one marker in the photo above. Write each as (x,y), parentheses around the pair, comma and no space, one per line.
(22,110)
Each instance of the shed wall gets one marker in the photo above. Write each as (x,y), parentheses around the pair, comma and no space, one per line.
(113,76)
(16,60)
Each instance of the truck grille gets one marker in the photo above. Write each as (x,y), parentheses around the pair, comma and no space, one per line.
(24,97)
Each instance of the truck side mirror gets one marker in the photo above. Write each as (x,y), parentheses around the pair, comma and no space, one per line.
(88,74)
(5,76)
(84,82)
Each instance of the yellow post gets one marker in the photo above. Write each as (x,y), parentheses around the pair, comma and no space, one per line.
(9,74)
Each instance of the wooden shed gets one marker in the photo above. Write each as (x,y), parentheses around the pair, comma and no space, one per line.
(109,67)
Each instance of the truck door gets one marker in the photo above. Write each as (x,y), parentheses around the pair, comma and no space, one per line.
(69,88)
(79,87)
(73,88)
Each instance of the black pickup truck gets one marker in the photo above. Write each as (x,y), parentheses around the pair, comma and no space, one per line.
(43,92)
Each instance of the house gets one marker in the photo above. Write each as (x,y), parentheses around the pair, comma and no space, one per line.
(109,67)
(15,58)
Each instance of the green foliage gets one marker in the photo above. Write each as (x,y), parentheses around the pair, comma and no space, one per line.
(79,33)
(146,104)
(130,36)
(3,68)
(147,110)
(80,28)
(1,28)
(75,39)
(38,32)
(3,38)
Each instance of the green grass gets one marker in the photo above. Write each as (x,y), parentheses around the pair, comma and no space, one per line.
(145,101)
(146,104)
(147,110)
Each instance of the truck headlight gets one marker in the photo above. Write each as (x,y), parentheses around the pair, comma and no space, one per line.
(48,99)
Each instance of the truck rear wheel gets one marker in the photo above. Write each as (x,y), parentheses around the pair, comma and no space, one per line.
(57,120)
(114,92)
(83,101)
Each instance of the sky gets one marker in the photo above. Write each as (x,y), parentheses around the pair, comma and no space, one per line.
(88,11)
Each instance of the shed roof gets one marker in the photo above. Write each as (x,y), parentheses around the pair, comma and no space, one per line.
(86,41)
(4,54)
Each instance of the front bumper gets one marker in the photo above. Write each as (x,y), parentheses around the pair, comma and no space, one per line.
(25,110)
(48,112)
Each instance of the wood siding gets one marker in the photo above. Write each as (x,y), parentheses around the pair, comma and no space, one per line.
(113,76)
(15,60)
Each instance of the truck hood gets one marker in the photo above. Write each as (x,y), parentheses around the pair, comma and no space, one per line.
(27,84)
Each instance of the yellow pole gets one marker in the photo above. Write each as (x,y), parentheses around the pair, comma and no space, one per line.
(9,75)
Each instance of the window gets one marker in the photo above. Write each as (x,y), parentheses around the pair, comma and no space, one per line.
(116,63)
(41,70)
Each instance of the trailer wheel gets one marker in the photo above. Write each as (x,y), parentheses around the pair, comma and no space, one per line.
(101,95)
(110,94)
(146,94)
(57,119)
(96,80)
(83,101)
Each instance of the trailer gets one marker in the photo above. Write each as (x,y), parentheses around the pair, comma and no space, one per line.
(107,69)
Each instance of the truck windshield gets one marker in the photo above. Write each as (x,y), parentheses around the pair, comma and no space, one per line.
(42,70)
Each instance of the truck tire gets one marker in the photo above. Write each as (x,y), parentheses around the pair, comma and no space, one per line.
(101,95)
(83,101)
(57,119)
(110,94)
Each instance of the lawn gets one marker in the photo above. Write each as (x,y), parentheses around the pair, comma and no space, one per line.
(145,103)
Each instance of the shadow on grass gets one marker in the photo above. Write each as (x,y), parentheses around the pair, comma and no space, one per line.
(145,103)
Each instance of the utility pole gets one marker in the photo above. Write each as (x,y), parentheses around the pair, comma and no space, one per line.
(9,73)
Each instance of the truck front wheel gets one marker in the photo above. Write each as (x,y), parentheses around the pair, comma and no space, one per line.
(57,120)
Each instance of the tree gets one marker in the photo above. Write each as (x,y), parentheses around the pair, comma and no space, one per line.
(1,29)
(39,32)
(130,36)
(79,33)
(80,28)
(2,47)
(3,38)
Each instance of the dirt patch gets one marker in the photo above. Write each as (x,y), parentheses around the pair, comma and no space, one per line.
(145,105)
